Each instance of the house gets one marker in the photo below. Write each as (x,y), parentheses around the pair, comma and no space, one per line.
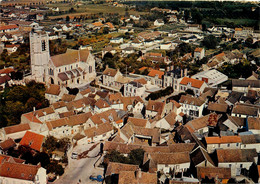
(173,76)
(250,142)
(68,126)
(8,28)
(14,132)
(139,122)
(101,132)
(54,93)
(166,162)
(32,140)
(134,88)
(158,22)
(155,76)
(133,104)
(4,80)
(242,33)
(136,177)
(197,86)
(192,106)
(135,17)
(114,168)
(128,50)
(253,125)
(109,76)
(245,110)
(154,109)
(137,43)
(199,53)
(117,40)
(219,108)
(12,171)
(101,106)
(223,142)
(236,159)
(168,122)
(139,135)
(201,125)
(219,174)
(234,123)
(245,85)
(200,158)
(6,145)
(211,77)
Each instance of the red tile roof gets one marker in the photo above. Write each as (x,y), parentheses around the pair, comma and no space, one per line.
(17,128)
(194,82)
(153,73)
(223,139)
(32,140)
(19,171)
(13,26)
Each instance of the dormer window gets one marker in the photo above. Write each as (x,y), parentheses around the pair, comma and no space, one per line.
(153,107)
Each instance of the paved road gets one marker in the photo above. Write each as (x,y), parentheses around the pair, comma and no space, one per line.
(81,169)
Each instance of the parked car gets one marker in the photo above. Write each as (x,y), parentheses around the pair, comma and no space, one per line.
(74,155)
(97,178)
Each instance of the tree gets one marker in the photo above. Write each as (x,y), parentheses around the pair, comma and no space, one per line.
(249,42)
(190,92)
(136,156)
(67,18)
(210,42)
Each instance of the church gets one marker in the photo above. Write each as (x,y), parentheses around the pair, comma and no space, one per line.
(74,68)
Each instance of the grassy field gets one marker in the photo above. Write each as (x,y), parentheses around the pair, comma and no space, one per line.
(90,9)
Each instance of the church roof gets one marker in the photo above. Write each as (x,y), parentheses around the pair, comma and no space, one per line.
(70,57)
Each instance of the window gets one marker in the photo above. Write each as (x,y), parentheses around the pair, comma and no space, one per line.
(229,165)
(43,45)
(244,146)
(228,145)
(237,144)
(90,69)
(241,165)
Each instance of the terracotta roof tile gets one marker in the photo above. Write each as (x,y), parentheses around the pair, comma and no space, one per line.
(9,143)
(18,171)
(223,140)
(213,172)
(236,155)
(138,121)
(17,128)
(53,89)
(194,82)
(101,104)
(30,116)
(115,168)
(110,72)
(154,73)
(32,140)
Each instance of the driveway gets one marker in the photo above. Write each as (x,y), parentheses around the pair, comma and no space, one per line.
(81,169)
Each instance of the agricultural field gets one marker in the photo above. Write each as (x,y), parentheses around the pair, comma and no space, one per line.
(85,9)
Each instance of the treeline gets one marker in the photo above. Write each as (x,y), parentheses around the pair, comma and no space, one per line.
(159,94)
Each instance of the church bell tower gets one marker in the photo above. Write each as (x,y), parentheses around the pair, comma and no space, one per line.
(40,55)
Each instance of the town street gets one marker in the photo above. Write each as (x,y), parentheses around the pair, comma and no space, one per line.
(81,169)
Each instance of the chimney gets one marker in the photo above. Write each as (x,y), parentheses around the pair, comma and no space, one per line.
(139,173)
(106,66)
(185,72)
(181,72)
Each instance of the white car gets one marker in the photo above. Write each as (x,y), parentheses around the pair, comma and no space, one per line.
(74,155)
